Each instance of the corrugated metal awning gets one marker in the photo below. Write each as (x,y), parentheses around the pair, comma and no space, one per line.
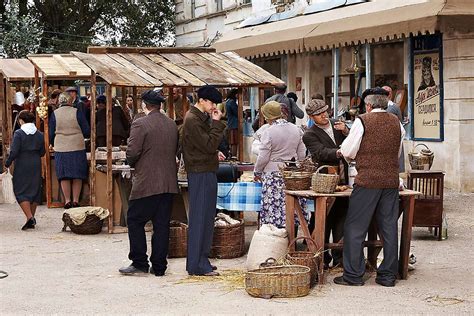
(17,69)
(368,22)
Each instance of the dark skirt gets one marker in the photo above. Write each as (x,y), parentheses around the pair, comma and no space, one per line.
(27,178)
(71,165)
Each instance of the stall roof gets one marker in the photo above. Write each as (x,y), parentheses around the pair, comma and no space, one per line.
(157,67)
(17,69)
(60,66)
(366,22)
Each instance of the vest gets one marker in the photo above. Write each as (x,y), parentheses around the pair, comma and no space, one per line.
(68,132)
(377,158)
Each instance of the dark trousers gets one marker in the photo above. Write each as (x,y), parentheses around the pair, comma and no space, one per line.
(335,225)
(156,208)
(202,211)
(362,205)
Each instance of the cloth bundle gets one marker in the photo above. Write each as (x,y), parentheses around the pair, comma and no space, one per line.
(78,214)
(267,242)
(7,195)
(224,220)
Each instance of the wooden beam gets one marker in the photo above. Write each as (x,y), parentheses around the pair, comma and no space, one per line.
(37,85)
(47,156)
(170,101)
(240,113)
(8,108)
(109,195)
(3,106)
(135,100)
(147,50)
(93,139)
(61,61)
(261,102)
(186,104)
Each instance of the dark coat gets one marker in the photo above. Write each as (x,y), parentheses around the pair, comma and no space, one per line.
(120,123)
(322,148)
(151,151)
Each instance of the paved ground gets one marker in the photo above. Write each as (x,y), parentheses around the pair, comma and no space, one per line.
(52,272)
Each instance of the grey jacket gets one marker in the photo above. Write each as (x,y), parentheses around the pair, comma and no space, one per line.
(152,148)
(295,111)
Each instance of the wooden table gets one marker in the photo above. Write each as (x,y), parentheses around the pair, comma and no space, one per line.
(323,203)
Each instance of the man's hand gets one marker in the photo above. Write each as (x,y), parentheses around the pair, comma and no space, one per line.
(339,153)
(216,115)
(221,156)
(340,126)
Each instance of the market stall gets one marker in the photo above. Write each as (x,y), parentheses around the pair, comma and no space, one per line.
(14,74)
(167,68)
(59,69)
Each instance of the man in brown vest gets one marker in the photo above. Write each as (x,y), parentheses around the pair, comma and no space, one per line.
(374,142)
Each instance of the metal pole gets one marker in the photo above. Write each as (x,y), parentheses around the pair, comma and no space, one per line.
(409,130)
(335,80)
(368,66)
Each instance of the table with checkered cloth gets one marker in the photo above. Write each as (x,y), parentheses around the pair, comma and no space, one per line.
(239,196)
(242,197)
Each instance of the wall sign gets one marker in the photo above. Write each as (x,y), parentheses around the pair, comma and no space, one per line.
(427,112)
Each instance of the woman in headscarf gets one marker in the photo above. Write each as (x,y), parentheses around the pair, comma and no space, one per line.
(67,129)
(26,151)
(282,140)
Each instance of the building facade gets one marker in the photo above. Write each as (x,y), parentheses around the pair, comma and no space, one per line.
(421,48)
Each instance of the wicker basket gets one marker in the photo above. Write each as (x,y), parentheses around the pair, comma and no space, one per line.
(228,241)
(297,180)
(278,281)
(92,225)
(305,258)
(324,183)
(178,244)
(422,160)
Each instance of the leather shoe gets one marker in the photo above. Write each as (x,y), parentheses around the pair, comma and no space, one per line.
(386,283)
(213,267)
(340,280)
(131,270)
(30,224)
(157,273)
(211,274)
(68,205)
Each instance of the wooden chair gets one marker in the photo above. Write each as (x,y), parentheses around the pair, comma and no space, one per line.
(428,205)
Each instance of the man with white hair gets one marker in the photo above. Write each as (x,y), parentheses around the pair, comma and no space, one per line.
(374,142)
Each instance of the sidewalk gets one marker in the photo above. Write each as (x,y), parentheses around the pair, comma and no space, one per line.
(52,272)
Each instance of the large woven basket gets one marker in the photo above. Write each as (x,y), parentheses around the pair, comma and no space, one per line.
(228,241)
(278,281)
(305,258)
(324,183)
(297,180)
(92,225)
(422,160)
(178,244)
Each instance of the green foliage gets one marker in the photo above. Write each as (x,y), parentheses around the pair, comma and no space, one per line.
(21,36)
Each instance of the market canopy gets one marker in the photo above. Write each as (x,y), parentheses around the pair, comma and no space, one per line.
(173,67)
(17,69)
(60,66)
(366,22)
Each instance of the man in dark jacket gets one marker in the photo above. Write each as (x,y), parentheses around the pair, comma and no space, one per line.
(200,142)
(151,151)
(295,111)
(323,140)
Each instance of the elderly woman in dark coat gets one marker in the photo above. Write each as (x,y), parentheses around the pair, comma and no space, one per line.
(67,129)
(26,151)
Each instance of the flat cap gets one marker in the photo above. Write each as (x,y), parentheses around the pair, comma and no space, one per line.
(71,89)
(152,97)
(316,107)
(376,91)
(210,93)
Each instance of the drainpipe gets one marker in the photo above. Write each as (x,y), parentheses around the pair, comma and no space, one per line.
(335,80)
(368,66)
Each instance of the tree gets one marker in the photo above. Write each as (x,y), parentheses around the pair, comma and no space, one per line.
(21,36)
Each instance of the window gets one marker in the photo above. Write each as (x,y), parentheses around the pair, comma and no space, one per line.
(246,1)
(218,5)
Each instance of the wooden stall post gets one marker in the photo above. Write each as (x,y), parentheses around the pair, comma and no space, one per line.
(240,129)
(110,205)
(261,102)
(170,103)
(47,157)
(93,138)
(37,84)
(124,95)
(3,105)
(135,100)
(186,104)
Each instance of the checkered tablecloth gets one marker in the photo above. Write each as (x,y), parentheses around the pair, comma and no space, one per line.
(239,196)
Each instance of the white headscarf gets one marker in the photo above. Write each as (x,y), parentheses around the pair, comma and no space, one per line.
(29,128)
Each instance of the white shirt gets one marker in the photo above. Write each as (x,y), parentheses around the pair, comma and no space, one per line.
(29,128)
(350,146)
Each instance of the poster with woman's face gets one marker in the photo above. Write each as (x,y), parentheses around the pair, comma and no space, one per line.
(427,111)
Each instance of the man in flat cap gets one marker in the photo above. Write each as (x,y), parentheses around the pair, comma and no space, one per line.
(280,97)
(323,140)
(374,142)
(201,138)
(77,103)
(151,150)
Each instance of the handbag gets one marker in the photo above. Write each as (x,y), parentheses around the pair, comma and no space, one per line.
(227,173)
(7,188)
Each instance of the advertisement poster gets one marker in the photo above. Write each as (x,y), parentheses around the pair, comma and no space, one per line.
(427,98)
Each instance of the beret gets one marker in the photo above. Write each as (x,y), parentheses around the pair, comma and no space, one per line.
(71,89)
(101,99)
(374,91)
(152,97)
(209,93)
